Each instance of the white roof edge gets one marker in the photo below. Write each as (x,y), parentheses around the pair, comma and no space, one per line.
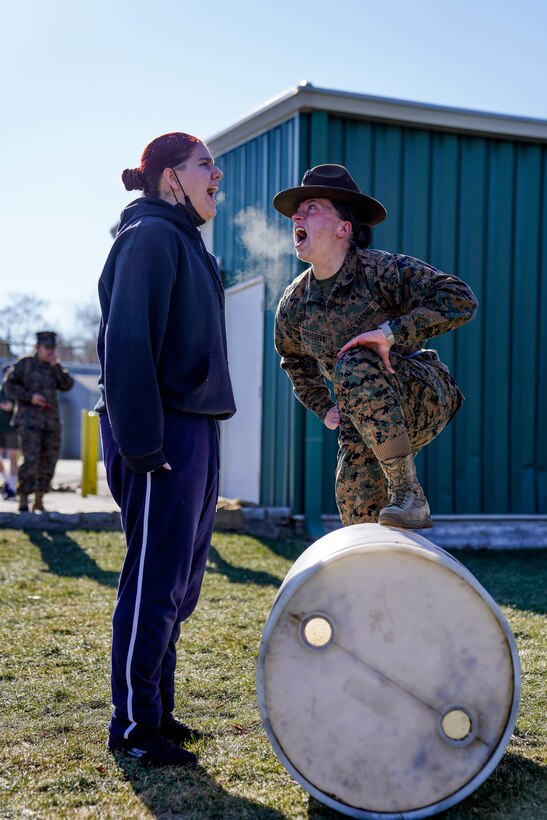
(249,283)
(261,119)
(305,97)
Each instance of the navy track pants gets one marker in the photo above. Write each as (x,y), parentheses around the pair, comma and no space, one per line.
(168,519)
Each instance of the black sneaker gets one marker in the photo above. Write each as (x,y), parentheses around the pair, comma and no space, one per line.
(178,732)
(157,751)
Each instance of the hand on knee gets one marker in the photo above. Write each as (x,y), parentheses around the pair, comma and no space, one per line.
(374,340)
(358,364)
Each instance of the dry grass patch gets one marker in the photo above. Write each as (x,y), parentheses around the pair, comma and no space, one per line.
(57,592)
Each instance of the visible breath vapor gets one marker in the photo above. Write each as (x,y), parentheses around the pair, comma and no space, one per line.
(268,251)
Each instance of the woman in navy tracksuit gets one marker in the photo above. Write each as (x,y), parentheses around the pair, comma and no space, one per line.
(164,384)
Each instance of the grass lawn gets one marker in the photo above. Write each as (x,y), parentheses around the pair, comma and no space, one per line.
(57,592)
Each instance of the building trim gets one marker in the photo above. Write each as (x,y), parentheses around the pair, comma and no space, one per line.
(248,283)
(305,98)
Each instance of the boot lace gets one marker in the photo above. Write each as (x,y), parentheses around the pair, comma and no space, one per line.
(400,496)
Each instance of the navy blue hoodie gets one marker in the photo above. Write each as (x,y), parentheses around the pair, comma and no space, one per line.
(162,339)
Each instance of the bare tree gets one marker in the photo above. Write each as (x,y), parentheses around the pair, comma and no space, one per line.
(20,316)
(83,344)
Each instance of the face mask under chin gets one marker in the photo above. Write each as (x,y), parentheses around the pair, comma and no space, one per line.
(190,212)
(188,208)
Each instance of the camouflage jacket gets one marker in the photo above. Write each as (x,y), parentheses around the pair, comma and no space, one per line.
(372,287)
(28,376)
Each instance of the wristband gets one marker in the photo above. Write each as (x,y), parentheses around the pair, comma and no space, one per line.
(388,333)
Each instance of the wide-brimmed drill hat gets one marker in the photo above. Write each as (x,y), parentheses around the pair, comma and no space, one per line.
(332,182)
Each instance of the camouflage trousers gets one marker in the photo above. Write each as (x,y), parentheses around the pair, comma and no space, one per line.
(40,450)
(376,407)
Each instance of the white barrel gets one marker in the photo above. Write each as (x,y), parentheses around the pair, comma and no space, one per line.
(388,678)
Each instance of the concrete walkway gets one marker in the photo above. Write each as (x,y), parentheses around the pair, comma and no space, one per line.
(68,509)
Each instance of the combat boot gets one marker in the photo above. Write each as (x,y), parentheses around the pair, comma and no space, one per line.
(408,505)
(38,505)
(23,502)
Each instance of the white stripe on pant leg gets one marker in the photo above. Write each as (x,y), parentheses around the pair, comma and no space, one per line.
(137,608)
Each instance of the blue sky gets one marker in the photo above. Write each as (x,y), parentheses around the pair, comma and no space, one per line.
(86,84)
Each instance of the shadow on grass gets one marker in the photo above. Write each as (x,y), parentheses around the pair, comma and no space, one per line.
(65,557)
(512,577)
(192,794)
(516,790)
(289,548)
(239,575)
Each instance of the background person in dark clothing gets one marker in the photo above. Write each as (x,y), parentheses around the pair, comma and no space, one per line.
(33,384)
(8,441)
(165,384)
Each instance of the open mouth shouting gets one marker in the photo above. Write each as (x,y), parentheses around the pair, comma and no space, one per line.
(211,191)
(299,236)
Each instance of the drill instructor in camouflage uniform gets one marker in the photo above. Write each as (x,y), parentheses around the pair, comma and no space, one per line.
(360,318)
(33,383)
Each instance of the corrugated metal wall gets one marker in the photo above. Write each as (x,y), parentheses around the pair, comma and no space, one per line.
(476,207)
(470,205)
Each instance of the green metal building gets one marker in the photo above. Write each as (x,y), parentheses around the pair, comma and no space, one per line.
(465,191)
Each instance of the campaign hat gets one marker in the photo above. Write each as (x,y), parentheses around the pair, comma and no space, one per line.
(332,182)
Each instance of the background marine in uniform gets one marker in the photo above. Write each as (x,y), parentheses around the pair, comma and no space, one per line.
(33,384)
